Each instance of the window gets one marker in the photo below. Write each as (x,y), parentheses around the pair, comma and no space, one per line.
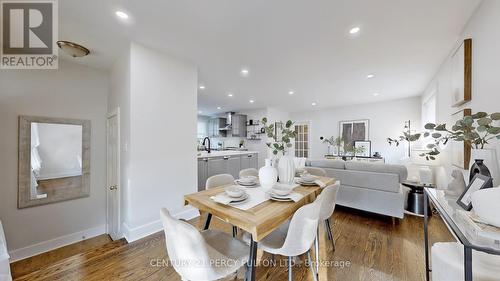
(202,128)
(302,140)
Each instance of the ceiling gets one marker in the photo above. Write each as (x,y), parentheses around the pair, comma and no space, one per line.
(299,45)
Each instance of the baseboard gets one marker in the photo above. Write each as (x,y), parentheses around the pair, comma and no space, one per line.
(136,233)
(45,246)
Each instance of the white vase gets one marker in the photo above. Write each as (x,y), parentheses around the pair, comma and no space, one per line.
(490,160)
(268,175)
(486,205)
(286,169)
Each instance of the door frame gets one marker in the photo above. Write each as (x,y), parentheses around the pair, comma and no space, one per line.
(113,113)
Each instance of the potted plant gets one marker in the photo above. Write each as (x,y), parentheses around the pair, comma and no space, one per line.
(281,136)
(475,131)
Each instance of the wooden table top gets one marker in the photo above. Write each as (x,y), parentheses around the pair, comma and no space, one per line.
(259,220)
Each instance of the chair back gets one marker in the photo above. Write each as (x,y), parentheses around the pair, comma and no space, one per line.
(218,180)
(249,172)
(328,199)
(315,171)
(186,248)
(302,230)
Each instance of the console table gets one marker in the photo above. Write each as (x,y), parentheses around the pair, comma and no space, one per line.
(450,212)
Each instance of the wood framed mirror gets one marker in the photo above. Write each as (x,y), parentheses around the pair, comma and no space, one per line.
(54,160)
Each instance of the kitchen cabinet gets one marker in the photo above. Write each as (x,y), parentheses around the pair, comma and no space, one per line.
(202,173)
(250,160)
(230,164)
(217,165)
(238,125)
(214,125)
(233,166)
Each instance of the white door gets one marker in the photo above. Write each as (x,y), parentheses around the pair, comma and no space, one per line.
(113,177)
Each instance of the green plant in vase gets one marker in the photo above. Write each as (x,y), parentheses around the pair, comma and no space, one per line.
(281,136)
(282,139)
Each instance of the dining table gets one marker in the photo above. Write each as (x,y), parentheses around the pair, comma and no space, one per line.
(260,220)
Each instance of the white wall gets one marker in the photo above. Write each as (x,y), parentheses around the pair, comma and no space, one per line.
(72,91)
(386,120)
(161,92)
(484,29)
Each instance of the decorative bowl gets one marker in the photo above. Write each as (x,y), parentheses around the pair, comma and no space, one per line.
(281,190)
(234,191)
(486,204)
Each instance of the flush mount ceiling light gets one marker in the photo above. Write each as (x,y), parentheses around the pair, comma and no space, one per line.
(251,101)
(354,30)
(200,112)
(314,104)
(122,15)
(201,87)
(370,76)
(219,108)
(230,95)
(291,92)
(73,49)
(244,72)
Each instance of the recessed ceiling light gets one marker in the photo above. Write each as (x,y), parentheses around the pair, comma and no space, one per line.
(200,112)
(244,72)
(201,87)
(251,101)
(313,104)
(122,15)
(230,95)
(354,30)
(375,94)
(370,76)
(291,92)
(219,108)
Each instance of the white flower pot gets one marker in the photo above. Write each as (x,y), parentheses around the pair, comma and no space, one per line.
(486,204)
(286,169)
(268,176)
(490,160)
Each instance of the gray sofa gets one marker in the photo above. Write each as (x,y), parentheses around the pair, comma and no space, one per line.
(371,187)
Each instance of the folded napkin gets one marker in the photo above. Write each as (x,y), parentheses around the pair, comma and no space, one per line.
(222,198)
(320,183)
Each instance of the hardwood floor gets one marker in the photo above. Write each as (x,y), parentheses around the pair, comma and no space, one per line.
(368,247)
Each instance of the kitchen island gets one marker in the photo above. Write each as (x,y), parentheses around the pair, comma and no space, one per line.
(224,162)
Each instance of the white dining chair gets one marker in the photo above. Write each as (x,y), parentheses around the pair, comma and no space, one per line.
(328,198)
(249,172)
(315,171)
(193,254)
(296,239)
(218,180)
(448,263)
(215,181)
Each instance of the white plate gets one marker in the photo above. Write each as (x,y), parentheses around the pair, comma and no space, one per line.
(245,183)
(305,183)
(240,201)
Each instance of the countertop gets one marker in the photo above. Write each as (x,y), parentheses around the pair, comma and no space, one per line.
(215,153)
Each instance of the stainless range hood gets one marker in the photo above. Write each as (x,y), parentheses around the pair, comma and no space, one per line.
(229,118)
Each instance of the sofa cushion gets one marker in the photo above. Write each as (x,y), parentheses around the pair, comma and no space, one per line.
(362,179)
(325,163)
(399,170)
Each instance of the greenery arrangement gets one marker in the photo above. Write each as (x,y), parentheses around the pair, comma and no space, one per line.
(283,140)
(476,131)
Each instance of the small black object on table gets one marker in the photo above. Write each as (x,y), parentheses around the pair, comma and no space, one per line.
(415,197)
